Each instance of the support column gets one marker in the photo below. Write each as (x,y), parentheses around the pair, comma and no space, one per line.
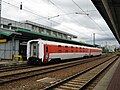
(0,11)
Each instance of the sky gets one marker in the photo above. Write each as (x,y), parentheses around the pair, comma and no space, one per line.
(77,17)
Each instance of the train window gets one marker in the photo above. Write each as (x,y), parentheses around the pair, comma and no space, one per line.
(59,45)
(83,49)
(66,46)
(71,46)
(87,50)
(76,47)
(59,50)
(34,47)
(34,50)
(66,50)
(46,48)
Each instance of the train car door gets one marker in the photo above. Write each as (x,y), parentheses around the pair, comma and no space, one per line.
(34,49)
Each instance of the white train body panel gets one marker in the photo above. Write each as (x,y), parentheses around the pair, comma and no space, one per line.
(67,55)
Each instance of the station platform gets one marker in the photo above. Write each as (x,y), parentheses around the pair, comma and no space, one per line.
(111,80)
(115,81)
(11,63)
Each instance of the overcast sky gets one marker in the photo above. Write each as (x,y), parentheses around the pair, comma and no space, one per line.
(62,15)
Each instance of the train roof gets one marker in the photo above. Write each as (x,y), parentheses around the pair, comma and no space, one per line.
(60,43)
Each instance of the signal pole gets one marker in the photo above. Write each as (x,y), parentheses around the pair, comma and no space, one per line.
(94,39)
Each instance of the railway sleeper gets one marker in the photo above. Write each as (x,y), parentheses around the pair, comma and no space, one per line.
(68,88)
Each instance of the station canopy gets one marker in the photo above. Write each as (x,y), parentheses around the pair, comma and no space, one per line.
(110,11)
(25,35)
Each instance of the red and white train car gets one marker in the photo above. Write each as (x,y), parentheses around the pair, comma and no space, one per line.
(40,51)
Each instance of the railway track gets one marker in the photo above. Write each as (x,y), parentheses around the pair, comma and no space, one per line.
(81,80)
(12,68)
(19,67)
(30,73)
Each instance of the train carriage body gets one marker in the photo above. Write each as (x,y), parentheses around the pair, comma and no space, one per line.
(40,51)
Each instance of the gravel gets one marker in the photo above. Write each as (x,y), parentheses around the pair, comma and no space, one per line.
(32,84)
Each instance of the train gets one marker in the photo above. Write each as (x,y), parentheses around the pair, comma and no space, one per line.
(42,51)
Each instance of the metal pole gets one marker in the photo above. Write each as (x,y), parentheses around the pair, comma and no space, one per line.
(106,48)
(13,45)
(0,11)
(94,39)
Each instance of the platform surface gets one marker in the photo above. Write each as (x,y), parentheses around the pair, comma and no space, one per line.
(115,81)
(106,82)
(10,63)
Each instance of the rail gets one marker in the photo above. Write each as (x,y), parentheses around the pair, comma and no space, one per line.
(80,80)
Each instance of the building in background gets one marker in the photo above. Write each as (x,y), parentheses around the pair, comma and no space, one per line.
(14,36)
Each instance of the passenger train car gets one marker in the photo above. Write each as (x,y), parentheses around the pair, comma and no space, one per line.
(42,51)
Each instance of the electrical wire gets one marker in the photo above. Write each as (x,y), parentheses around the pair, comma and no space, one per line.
(88,16)
(68,28)
(66,14)
(41,17)
(72,17)
(23,9)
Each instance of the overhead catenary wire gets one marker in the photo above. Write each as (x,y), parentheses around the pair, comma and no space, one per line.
(72,17)
(54,22)
(41,17)
(63,14)
(89,16)
(23,9)
(66,14)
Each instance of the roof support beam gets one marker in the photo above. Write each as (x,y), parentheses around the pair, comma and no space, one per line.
(107,9)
